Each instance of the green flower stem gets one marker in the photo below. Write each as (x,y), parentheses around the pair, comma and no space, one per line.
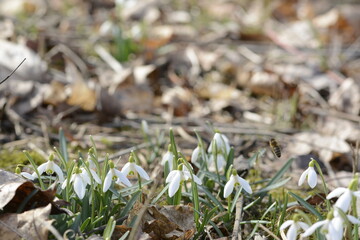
(326,190)
(177,196)
(31,160)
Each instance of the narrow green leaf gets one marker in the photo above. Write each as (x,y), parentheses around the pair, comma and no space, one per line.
(110,226)
(63,145)
(307,205)
(130,203)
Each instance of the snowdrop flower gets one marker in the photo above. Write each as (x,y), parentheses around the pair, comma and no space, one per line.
(175,178)
(195,154)
(295,226)
(131,168)
(50,167)
(345,195)
(80,179)
(168,158)
(93,174)
(234,180)
(332,227)
(221,143)
(310,174)
(220,162)
(24,174)
(145,126)
(114,175)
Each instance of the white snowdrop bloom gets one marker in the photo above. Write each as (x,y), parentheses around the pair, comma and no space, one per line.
(175,177)
(220,161)
(27,175)
(168,157)
(114,175)
(344,197)
(234,180)
(310,175)
(131,168)
(50,167)
(332,227)
(294,228)
(80,179)
(222,144)
(145,126)
(195,154)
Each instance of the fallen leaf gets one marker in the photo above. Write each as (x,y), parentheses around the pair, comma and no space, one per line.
(32,224)
(16,192)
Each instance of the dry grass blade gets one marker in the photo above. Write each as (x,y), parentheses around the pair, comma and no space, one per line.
(236,234)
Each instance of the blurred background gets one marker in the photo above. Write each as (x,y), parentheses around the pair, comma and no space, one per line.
(250,69)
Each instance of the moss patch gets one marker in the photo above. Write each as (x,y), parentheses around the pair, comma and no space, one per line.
(9,159)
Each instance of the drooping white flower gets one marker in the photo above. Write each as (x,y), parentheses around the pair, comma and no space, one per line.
(345,196)
(175,177)
(221,142)
(220,161)
(332,227)
(27,175)
(145,126)
(195,154)
(131,168)
(49,168)
(114,175)
(294,228)
(168,158)
(310,174)
(235,179)
(80,179)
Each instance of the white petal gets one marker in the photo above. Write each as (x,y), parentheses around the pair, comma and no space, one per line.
(95,176)
(221,162)
(174,184)
(312,177)
(122,178)
(335,228)
(303,225)
(187,176)
(195,155)
(292,232)
(197,180)
(171,175)
(27,175)
(79,187)
(244,184)
(42,168)
(357,194)
(312,229)
(336,192)
(64,184)
(59,172)
(107,181)
(286,224)
(142,172)
(229,186)
(128,167)
(353,219)
(303,177)
(85,176)
(344,201)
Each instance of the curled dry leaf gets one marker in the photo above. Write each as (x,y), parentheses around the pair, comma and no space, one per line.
(18,194)
(31,225)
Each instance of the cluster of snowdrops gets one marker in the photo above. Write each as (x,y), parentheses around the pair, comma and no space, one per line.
(85,177)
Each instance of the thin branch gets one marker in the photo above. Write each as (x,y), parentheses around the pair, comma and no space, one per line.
(13,71)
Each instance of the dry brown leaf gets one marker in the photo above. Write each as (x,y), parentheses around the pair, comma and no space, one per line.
(80,93)
(29,225)
(14,190)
